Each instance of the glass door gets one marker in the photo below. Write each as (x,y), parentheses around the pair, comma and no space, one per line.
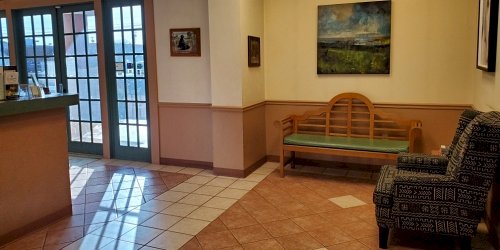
(58,45)
(127,82)
(38,47)
(81,75)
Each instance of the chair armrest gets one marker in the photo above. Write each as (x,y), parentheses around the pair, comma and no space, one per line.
(423,186)
(422,163)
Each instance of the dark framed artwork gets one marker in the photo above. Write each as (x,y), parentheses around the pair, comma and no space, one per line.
(185,42)
(253,51)
(487,35)
(354,38)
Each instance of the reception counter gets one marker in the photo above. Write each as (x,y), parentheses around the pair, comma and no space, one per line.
(34,176)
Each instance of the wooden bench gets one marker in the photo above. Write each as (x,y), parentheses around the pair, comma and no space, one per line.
(348,126)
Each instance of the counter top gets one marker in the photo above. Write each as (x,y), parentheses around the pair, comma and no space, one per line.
(52,101)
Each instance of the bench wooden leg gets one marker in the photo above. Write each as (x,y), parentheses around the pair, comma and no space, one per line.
(292,163)
(282,163)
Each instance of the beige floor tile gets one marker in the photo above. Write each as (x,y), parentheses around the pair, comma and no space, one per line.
(221,182)
(130,202)
(208,190)
(189,226)
(206,213)
(179,209)
(255,177)
(200,180)
(113,229)
(90,241)
(155,205)
(121,245)
(219,202)
(141,235)
(136,216)
(232,193)
(192,171)
(347,201)
(171,196)
(186,187)
(170,240)
(171,169)
(264,171)
(161,221)
(241,184)
(195,199)
(207,172)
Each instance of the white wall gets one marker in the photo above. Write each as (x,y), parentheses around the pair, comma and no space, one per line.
(225,45)
(433,47)
(252,24)
(182,79)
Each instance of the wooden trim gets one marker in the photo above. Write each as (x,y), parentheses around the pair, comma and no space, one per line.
(184,105)
(237,173)
(154,119)
(227,109)
(187,163)
(379,105)
(103,89)
(254,106)
(38,224)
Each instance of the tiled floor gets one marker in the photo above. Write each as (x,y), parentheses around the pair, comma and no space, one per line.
(129,205)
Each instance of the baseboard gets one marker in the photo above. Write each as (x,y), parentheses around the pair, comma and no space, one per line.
(273,158)
(187,163)
(238,173)
(36,225)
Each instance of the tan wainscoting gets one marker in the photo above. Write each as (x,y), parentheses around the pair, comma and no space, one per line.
(231,139)
(187,133)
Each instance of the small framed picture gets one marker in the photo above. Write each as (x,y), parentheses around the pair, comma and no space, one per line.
(487,35)
(185,42)
(253,51)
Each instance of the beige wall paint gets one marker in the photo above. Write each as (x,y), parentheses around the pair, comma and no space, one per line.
(432,54)
(225,52)
(252,24)
(182,79)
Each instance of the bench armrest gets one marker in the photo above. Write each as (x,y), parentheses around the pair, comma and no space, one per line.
(422,163)
(414,132)
(286,126)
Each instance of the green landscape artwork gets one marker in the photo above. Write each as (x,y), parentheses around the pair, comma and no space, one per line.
(354,38)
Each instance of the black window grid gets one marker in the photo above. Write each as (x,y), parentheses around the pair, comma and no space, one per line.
(4,42)
(86,77)
(123,55)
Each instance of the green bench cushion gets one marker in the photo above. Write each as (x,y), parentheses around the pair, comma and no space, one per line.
(338,142)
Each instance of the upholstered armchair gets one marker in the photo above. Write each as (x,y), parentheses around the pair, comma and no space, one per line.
(449,199)
(436,164)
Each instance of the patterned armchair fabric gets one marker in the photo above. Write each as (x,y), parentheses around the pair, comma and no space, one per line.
(449,203)
(436,164)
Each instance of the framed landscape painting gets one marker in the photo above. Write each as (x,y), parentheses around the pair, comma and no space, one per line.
(354,38)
